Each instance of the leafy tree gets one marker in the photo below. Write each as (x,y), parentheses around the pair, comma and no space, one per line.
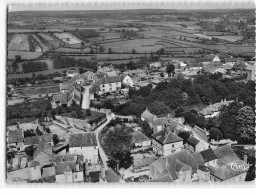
(215,134)
(38,132)
(29,133)
(58,110)
(245,120)
(228,122)
(117,144)
(146,129)
(190,118)
(179,112)
(53,113)
(170,68)
(88,112)
(55,139)
(184,135)
(110,50)
(29,150)
(158,108)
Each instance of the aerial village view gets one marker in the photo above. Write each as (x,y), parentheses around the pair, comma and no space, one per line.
(129,96)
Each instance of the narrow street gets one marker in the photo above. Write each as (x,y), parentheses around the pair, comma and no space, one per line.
(103,156)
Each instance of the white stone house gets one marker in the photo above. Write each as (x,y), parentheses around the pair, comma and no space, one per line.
(127,80)
(165,143)
(84,144)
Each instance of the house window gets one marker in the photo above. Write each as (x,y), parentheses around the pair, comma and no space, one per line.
(75,176)
(172,145)
(103,86)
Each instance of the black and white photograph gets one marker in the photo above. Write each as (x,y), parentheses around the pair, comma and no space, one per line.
(159,92)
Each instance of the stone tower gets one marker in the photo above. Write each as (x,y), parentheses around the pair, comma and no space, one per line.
(86,97)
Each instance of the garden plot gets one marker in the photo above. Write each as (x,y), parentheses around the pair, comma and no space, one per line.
(68,38)
(19,42)
(46,37)
(41,45)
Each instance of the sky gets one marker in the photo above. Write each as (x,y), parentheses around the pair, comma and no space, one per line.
(125,4)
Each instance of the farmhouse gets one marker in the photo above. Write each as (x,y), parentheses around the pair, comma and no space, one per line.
(109,84)
(127,80)
(157,123)
(220,163)
(213,109)
(165,143)
(176,167)
(84,144)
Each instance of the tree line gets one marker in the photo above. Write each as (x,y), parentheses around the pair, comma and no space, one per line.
(34,66)
(60,61)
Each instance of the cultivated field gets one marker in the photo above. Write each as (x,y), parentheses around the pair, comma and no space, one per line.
(68,38)
(140,45)
(23,54)
(19,42)
(109,35)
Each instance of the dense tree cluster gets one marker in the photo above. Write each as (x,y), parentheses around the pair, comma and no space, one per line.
(34,66)
(28,109)
(117,143)
(183,94)
(60,61)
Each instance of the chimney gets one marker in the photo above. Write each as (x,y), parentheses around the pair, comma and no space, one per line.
(245,158)
(117,167)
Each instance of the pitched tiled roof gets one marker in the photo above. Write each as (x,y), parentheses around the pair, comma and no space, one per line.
(111,73)
(101,75)
(165,137)
(145,161)
(65,166)
(64,158)
(225,172)
(168,169)
(62,98)
(198,158)
(111,176)
(95,87)
(107,80)
(223,151)
(43,147)
(148,116)
(34,163)
(48,171)
(200,133)
(192,141)
(208,155)
(15,136)
(82,139)
(139,137)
